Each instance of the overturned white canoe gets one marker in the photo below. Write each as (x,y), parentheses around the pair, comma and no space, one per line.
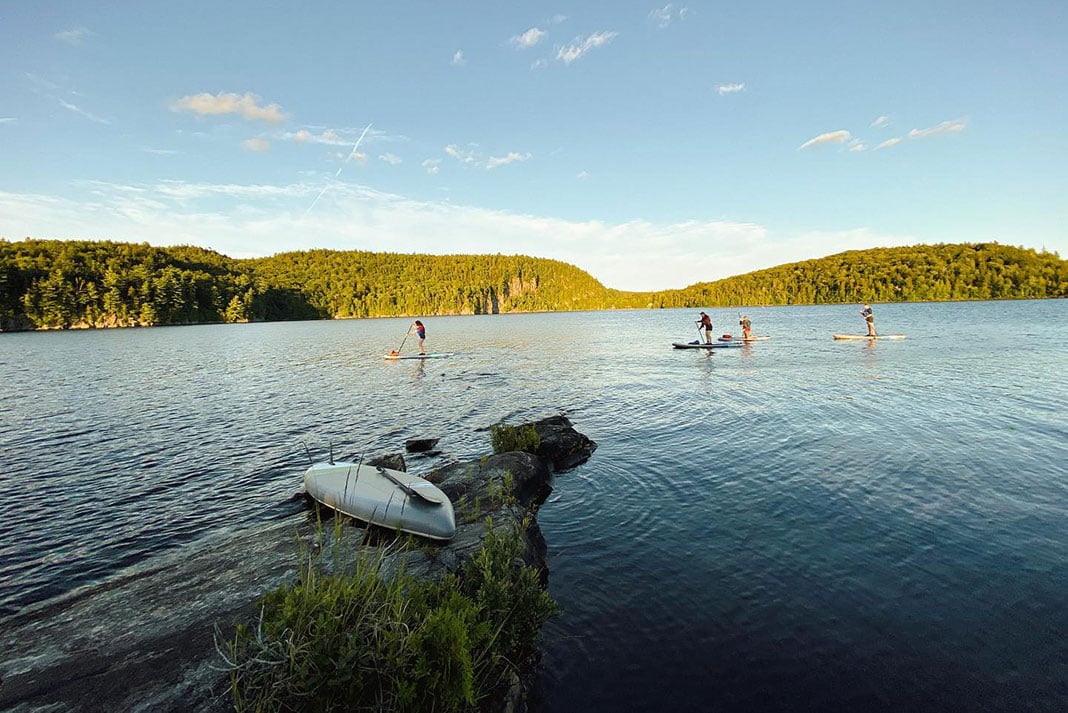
(384,497)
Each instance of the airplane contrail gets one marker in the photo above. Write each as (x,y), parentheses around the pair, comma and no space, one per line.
(347,158)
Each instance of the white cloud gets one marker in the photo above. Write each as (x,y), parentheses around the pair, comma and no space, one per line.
(51,90)
(473,157)
(725,89)
(831,137)
(855,144)
(7,120)
(664,16)
(432,165)
(329,137)
(73,36)
(265,219)
(461,155)
(511,157)
(389,158)
(953,126)
(528,39)
(458,59)
(82,112)
(189,191)
(581,45)
(661,16)
(582,175)
(246,105)
(256,145)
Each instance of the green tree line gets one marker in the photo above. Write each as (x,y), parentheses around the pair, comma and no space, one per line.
(921,273)
(50,284)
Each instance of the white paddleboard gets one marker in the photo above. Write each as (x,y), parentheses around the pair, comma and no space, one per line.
(865,336)
(441,355)
(381,496)
(740,339)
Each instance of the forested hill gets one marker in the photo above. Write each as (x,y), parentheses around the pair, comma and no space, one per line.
(920,273)
(62,284)
(366,284)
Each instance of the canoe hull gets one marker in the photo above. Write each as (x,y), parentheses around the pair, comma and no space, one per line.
(362,492)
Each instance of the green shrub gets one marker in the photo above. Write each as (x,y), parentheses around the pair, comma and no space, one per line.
(354,641)
(514,438)
(509,595)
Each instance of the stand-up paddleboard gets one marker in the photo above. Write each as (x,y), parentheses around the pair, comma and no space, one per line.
(703,345)
(865,336)
(741,339)
(441,355)
(381,496)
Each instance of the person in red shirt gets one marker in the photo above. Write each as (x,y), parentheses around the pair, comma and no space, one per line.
(705,323)
(420,332)
(747,327)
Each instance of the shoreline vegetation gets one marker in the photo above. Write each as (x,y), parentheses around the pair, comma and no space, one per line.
(402,624)
(350,635)
(319,611)
(56,284)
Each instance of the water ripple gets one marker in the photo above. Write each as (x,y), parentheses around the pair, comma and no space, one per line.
(797,523)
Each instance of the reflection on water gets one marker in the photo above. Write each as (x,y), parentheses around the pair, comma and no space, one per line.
(795,524)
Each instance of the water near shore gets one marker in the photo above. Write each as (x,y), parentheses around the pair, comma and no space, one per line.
(798,524)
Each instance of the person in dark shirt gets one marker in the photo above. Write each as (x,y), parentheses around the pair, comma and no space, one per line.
(869,319)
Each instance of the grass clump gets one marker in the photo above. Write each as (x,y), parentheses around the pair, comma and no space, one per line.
(356,641)
(507,438)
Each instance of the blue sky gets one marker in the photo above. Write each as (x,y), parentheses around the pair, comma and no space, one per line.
(653,145)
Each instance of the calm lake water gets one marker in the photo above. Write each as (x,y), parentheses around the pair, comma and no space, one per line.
(798,524)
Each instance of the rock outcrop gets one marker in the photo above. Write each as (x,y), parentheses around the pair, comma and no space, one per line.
(420,445)
(147,641)
(561,445)
(504,489)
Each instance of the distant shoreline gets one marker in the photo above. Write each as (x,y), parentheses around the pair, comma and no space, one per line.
(52,284)
(83,327)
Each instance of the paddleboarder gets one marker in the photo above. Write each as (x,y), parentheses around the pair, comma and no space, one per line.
(705,323)
(869,319)
(747,327)
(420,331)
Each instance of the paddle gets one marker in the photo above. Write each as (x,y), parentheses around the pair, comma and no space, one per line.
(395,353)
(408,489)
